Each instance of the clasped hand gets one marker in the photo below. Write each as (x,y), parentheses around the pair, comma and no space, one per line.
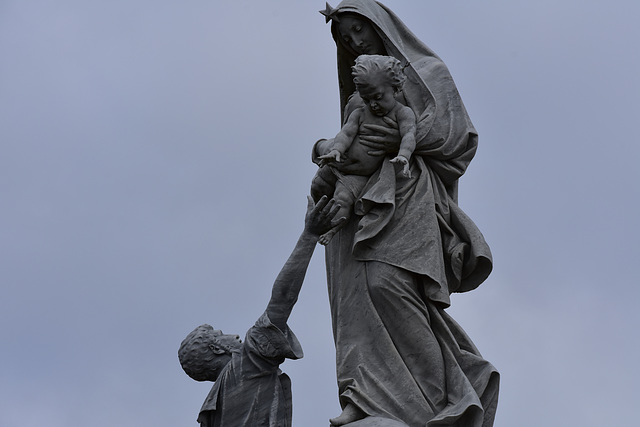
(381,139)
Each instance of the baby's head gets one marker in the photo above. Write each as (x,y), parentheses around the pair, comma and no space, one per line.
(206,351)
(378,79)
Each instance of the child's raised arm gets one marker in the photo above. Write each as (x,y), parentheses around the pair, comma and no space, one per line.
(319,219)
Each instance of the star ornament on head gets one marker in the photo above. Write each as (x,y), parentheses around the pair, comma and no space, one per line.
(329,14)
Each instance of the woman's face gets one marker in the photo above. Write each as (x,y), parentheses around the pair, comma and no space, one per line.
(359,34)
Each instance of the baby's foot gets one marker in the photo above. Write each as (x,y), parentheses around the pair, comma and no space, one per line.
(349,414)
(326,237)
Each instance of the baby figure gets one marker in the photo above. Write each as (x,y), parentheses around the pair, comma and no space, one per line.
(378,80)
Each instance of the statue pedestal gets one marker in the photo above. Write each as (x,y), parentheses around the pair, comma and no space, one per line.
(376,422)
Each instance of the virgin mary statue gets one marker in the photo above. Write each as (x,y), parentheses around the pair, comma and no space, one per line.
(393,266)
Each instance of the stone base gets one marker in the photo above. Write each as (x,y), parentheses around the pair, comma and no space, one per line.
(376,422)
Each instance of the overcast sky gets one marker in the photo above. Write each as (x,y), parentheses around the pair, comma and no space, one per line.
(154,163)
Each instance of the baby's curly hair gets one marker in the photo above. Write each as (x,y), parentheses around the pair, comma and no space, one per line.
(369,65)
(195,354)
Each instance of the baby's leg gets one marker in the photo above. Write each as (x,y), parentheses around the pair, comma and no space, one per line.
(344,197)
(323,183)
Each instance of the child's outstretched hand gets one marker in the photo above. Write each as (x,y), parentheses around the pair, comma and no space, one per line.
(405,165)
(321,217)
(331,156)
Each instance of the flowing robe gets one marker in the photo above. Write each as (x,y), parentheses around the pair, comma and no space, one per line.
(392,267)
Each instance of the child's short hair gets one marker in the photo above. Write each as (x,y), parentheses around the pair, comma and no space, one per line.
(388,66)
(195,354)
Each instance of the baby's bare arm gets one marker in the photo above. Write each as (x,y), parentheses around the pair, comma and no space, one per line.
(343,140)
(407,126)
(345,137)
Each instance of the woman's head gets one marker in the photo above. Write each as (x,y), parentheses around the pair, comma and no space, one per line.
(383,33)
(359,34)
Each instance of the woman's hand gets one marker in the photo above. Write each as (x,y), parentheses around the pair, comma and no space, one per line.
(381,139)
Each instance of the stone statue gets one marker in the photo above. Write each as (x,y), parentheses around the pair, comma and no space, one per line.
(407,245)
(250,390)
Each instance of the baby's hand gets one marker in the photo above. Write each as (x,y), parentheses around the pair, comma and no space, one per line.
(333,155)
(406,172)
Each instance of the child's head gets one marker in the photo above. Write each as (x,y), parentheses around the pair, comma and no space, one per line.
(378,79)
(205,351)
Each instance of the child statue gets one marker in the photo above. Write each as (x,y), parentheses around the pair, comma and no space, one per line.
(250,390)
